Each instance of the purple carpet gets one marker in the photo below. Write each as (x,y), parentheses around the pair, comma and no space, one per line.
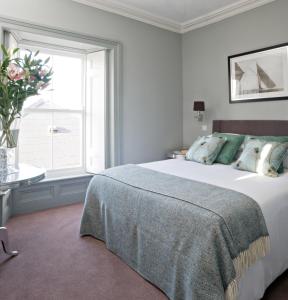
(55,263)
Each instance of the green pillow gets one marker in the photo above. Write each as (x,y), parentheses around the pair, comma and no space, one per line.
(231,147)
(269,138)
(262,157)
(205,149)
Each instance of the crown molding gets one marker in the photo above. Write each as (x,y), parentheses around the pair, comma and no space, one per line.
(133,13)
(168,24)
(222,14)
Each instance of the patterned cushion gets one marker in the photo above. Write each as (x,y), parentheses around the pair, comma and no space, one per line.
(229,150)
(285,163)
(268,138)
(205,149)
(262,157)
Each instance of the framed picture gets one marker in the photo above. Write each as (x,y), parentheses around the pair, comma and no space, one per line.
(260,75)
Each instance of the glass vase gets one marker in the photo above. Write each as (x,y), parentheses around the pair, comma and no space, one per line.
(8,149)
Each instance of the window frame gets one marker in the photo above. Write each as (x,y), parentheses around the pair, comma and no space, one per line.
(114,77)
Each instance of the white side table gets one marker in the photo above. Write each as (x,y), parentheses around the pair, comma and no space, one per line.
(175,156)
(26,175)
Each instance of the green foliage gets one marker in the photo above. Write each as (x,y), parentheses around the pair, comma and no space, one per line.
(20,78)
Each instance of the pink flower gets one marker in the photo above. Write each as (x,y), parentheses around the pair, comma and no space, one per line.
(15,73)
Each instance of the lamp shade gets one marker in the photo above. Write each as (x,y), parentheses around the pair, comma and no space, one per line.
(199,106)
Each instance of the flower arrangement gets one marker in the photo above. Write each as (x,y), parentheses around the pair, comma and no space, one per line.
(20,78)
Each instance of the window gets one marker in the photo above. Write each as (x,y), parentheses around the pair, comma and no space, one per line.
(63,128)
(98,115)
(51,132)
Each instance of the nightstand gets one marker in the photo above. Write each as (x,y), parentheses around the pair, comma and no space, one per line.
(177,154)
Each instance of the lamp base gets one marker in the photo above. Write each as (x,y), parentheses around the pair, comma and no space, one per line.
(199,116)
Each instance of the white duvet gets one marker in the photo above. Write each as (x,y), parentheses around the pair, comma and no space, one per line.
(272,196)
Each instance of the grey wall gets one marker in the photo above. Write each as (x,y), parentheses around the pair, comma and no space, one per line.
(205,66)
(152,68)
(152,73)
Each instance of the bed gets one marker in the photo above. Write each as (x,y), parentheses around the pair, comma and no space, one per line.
(270,193)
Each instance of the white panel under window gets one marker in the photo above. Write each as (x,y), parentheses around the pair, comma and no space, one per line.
(95,112)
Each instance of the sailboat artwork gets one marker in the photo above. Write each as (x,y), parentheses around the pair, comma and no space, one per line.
(264,83)
(259,76)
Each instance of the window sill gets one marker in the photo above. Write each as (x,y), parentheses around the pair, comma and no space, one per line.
(65,177)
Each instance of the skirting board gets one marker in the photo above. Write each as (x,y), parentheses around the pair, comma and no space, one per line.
(49,194)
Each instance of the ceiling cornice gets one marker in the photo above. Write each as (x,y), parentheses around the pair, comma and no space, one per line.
(168,24)
(223,13)
(133,13)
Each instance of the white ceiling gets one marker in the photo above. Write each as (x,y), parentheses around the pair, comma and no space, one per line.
(176,15)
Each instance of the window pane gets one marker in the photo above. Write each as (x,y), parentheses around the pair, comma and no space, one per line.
(35,141)
(65,88)
(67,81)
(67,143)
(39,145)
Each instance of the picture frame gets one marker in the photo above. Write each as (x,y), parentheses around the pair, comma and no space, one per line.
(259,75)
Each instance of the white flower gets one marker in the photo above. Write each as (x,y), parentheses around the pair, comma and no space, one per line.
(40,84)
